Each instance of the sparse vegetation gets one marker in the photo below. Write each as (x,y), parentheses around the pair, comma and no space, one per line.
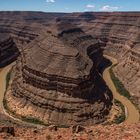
(122,90)
(118,84)
(28,119)
(121,117)
(8,78)
(32,120)
(23,118)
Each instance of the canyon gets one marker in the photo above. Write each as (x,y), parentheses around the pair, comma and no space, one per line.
(59,83)
(59,57)
(121,34)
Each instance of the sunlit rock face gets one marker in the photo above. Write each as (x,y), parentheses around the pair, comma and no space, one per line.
(57,81)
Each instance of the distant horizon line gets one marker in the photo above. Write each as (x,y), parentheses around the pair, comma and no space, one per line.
(70,12)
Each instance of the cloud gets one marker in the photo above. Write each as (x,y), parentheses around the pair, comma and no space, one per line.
(50,1)
(90,6)
(109,8)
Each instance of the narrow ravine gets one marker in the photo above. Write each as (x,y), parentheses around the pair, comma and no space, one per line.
(132,114)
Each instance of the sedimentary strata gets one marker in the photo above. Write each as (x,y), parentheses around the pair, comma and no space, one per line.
(13,37)
(69,69)
(21,28)
(8,50)
(58,81)
(120,32)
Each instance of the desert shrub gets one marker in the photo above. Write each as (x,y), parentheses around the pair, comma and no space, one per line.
(121,117)
(8,76)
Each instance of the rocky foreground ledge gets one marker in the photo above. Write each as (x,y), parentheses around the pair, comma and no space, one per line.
(99,132)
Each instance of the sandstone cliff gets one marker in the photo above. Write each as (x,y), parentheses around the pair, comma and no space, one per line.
(99,132)
(58,81)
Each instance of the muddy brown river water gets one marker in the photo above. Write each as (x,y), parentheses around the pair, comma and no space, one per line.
(132,114)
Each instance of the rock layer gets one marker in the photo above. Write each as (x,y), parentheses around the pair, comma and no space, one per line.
(22,28)
(118,35)
(13,37)
(58,81)
(120,32)
(8,50)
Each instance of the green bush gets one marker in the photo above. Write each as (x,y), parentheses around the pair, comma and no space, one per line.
(32,120)
(8,76)
(121,118)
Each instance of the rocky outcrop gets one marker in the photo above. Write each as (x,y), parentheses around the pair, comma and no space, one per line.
(122,131)
(57,81)
(128,70)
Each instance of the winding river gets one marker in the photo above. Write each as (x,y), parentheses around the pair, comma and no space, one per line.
(132,114)
(3,73)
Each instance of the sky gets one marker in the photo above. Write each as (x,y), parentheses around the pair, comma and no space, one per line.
(69,5)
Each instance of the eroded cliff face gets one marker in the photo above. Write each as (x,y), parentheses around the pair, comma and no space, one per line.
(13,39)
(120,32)
(57,81)
(21,28)
(8,50)
(128,70)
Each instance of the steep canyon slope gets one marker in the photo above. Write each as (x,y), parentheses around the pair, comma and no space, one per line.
(120,32)
(57,81)
(84,36)
(17,29)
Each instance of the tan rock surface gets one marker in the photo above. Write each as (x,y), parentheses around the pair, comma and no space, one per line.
(99,132)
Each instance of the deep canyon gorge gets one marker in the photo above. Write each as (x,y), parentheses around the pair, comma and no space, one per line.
(59,58)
